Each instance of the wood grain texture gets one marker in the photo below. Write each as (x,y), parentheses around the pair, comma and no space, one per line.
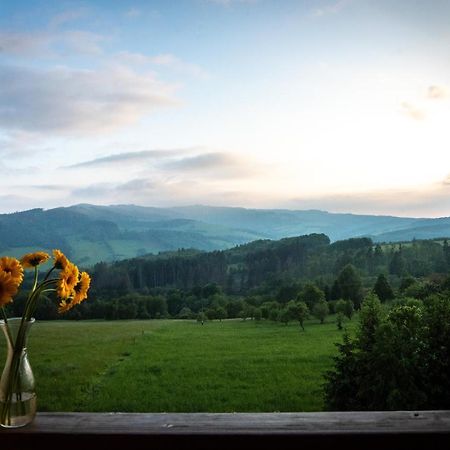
(397,429)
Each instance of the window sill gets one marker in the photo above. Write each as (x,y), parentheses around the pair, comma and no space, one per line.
(398,429)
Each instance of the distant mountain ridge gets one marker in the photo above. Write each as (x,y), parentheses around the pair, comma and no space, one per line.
(91,233)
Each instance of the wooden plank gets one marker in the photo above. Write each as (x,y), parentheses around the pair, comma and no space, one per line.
(402,429)
(241,423)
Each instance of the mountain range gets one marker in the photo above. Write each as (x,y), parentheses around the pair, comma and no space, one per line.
(91,233)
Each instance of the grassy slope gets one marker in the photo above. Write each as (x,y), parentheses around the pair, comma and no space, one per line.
(180,366)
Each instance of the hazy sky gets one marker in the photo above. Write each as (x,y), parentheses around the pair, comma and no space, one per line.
(341,105)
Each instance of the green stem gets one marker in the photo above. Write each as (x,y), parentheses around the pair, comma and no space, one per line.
(48,290)
(14,379)
(34,305)
(36,273)
(30,297)
(13,382)
(34,297)
(49,272)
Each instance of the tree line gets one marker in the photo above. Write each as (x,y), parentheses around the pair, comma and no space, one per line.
(260,279)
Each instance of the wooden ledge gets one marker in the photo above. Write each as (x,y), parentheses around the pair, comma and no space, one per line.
(397,430)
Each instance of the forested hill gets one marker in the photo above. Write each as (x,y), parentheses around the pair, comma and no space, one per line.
(90,233)
(267,265)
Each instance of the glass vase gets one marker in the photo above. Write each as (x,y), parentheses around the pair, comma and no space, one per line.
(17,386)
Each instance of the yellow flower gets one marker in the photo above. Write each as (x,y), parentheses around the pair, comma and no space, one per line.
(8,288)
(34,259)
(68,279)
(81,288)
(13,267)
(64,306)
(61,260)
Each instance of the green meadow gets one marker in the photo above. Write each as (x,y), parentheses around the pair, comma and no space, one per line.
(180,366)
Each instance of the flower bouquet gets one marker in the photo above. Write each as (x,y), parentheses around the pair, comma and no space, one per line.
(17,387)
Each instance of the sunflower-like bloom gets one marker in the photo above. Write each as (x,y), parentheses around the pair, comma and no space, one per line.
(65,305)
(81,288)
(8,288)
(60,258)
(68,279)
(31,260)
(13,267)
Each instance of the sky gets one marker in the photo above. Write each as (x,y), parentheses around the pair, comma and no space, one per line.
(338,105)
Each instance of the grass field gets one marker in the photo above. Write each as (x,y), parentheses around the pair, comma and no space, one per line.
(180,366)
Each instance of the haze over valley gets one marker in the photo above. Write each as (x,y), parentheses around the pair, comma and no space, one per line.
(92,233)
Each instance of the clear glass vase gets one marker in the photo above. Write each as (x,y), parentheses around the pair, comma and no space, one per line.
(17,386)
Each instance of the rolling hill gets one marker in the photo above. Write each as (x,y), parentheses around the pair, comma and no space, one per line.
(90,233)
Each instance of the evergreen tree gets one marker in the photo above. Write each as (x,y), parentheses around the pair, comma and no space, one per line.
(377,258)
(436,351)
(397,266)
(370,318)
(336,291)
(350,285)
(341,383)
(383,289)
(339,320)
(446,251)
(398,361)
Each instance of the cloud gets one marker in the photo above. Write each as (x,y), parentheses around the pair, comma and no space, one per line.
(427,201)
(412,111)
(215,164)
(163,60)
(6,171)
(49,187)
(196,162)
(25,44)
(51,44)
(20,145)
(201,162)
(216,177)
(127,157)
(65,100)
(332,8)
(67,16)
(437,92)
(133,12)
(150,191)
(142,191)
(83,42)
(15,203)
(433,92)
(140,185)
(137,59)
(95,192)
